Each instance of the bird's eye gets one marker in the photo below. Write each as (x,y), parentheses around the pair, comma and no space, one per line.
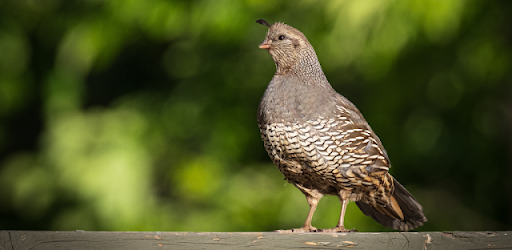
(281,37)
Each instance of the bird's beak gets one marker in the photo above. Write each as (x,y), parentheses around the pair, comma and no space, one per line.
(265,44)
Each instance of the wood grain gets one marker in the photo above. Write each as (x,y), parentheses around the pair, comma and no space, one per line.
(10,240)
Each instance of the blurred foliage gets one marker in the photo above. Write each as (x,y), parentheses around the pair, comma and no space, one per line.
(141,115)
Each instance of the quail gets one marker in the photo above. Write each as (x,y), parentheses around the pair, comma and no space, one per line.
(321,142)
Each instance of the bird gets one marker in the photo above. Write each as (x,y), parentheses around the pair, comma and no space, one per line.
(321,142)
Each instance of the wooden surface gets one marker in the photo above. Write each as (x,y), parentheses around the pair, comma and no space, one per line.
(252,240)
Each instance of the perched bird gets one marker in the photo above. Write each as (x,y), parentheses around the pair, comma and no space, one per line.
(321,142)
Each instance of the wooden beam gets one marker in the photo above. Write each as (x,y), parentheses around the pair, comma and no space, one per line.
(10,240)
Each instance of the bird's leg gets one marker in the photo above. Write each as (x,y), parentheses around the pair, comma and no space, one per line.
(344,204)
(313,196)
(313,202)
(340,227)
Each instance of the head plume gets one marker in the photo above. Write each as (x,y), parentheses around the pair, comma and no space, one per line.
(263,22)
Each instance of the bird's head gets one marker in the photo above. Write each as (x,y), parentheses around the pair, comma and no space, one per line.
(286,45)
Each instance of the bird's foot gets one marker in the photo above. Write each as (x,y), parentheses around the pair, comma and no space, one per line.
(338,230)
(305,229)
(309,229)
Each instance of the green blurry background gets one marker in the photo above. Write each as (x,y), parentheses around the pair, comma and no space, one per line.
(141,115)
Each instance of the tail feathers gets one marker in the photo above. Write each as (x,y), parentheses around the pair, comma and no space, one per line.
(403,213)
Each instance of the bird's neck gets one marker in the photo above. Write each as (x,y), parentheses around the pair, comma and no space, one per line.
(306,67)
